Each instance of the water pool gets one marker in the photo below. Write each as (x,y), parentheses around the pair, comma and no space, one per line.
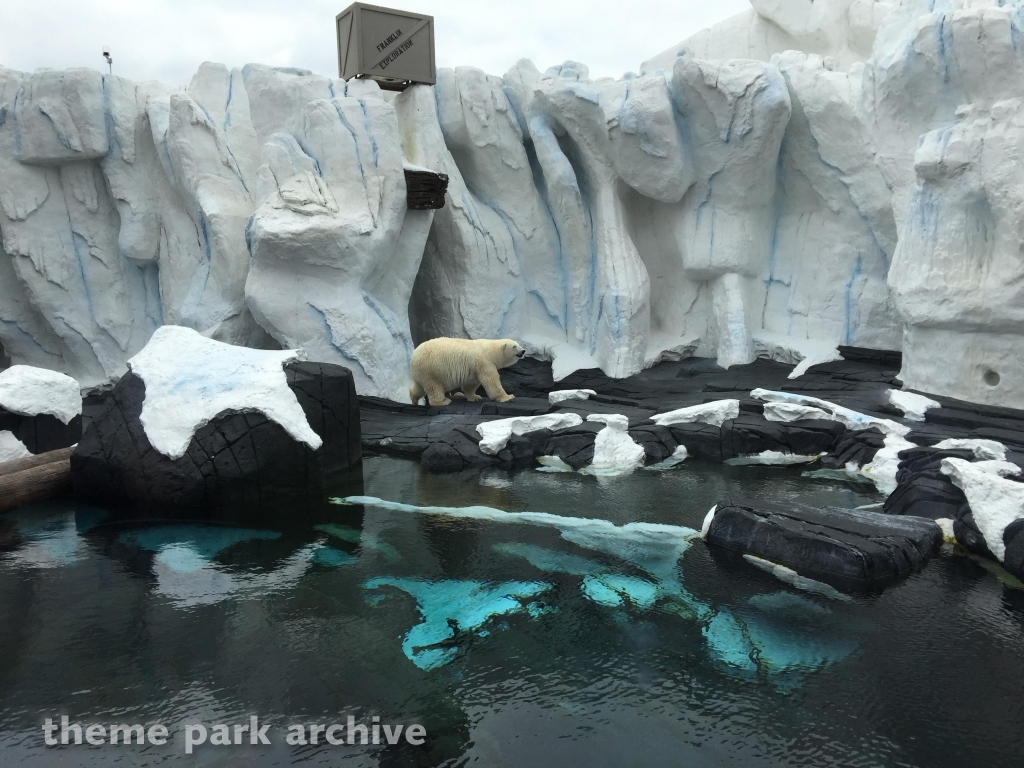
(533,640)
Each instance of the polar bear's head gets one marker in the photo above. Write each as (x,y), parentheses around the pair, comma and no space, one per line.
(510,352)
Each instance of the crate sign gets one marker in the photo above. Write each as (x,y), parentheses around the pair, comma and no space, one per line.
(395,48)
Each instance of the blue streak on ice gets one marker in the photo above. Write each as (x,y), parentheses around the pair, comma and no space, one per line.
(329,332)
(850,307)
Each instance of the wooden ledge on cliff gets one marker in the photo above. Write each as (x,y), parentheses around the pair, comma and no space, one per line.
(425,189)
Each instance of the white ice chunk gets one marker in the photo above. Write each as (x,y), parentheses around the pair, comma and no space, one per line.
(707,413)
(561,395)
(983,449)
(775,458)
(11,448)
(29,391)
(615,452)
(794,579)
(552,464)
(708,518)
(495,434)
(846,416)
(995,501)
(191,379)
(912,405)
(793,412)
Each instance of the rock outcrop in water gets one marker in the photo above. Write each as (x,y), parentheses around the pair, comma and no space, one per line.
(850,180)
(201,424)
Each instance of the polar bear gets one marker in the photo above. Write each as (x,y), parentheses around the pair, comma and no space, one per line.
(443,365)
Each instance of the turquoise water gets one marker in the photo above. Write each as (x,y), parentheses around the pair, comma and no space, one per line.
(522,618)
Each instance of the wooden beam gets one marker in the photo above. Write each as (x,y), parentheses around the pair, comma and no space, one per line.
(35,478)
(425,190)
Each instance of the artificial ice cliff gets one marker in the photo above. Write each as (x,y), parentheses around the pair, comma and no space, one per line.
(735,199)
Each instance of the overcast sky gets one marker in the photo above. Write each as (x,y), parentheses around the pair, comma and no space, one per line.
(168,39)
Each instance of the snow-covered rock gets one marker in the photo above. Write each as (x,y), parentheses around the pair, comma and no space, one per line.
(40,411)
(494,435)
(28,391)
(190,380)
(199,423)
(995,501)
(561,395)
(847,416)
(615,452)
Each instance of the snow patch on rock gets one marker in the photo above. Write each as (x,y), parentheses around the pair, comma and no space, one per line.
(29,391)
(913,405)
(708,413)
(494,435)
(191,379)
(995,501)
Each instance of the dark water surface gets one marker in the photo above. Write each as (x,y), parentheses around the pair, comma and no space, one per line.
(531,641)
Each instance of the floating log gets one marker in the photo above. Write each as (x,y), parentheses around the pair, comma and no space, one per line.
(35,478)
(425,190)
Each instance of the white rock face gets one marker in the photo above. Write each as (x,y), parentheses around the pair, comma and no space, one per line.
(805,176)
(29,391)
(191,379)
(334,250)
(842,30)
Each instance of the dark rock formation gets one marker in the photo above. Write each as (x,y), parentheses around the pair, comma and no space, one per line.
(236,459)
(42,432)
(849,549)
